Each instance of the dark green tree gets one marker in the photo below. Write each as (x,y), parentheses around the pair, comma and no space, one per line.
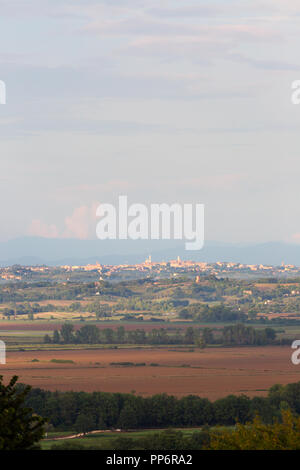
(56,337)
(66,333)
(108,335)
(88,334)
(189,335)
(47,339)
(20,428)
(207,335)
(84,423)
(121,334)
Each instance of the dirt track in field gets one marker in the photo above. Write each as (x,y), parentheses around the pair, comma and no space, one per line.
(211,373)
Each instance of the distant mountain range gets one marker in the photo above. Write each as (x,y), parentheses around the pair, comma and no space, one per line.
(50,251)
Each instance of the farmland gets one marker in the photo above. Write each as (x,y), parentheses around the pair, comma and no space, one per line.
(192,353)
(212,373)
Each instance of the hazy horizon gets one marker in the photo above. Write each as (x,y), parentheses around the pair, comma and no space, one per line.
(39,250)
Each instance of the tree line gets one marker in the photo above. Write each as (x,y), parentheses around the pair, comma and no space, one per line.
(237,334)
(102,410)
(269,423)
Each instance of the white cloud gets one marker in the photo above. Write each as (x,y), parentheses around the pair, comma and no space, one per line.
(80,224)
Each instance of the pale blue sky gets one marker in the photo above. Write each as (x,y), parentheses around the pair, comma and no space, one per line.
(164,101)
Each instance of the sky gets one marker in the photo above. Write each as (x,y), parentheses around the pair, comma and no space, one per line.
(163,101)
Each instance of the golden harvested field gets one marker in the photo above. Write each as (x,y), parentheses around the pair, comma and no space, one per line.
(210,373)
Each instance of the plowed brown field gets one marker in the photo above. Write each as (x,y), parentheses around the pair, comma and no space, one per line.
(210,373)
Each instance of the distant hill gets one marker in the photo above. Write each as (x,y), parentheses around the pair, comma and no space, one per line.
(35,250)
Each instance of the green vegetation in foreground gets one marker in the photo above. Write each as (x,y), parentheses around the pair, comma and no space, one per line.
(85,412)
(147,438)
(283,434)
(22,428)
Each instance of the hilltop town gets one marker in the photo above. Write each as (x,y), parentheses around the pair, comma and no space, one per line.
(148,268)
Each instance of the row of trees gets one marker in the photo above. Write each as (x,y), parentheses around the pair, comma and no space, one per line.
(91,334)
(271,423)
(237,334)
(247,335)
(99,410)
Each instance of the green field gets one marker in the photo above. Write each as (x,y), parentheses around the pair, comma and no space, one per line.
(106,439)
